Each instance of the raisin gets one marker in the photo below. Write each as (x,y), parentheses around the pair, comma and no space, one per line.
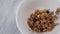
(45,18)
(50,22)
(51,19)
(45,27)
(47,11)
(31,26)
(41,29)
(40,23)
(34,19)
(44,23)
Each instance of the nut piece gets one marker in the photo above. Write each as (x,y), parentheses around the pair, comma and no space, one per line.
(34,29)
(58,11)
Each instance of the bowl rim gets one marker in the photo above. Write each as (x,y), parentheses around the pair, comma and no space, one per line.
(17,24)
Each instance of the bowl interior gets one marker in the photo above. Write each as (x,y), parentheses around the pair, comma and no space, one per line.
(28,6)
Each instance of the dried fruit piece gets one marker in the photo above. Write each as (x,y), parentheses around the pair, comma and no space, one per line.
(34,19)
(41,29)
(47,11)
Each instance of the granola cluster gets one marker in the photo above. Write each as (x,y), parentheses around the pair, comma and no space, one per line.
(42,20)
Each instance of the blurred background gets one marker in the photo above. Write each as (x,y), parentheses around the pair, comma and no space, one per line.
(7,16)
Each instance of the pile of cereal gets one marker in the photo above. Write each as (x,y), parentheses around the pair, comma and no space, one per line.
(42,20)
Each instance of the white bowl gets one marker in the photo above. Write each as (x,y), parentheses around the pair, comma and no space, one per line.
(27,6)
